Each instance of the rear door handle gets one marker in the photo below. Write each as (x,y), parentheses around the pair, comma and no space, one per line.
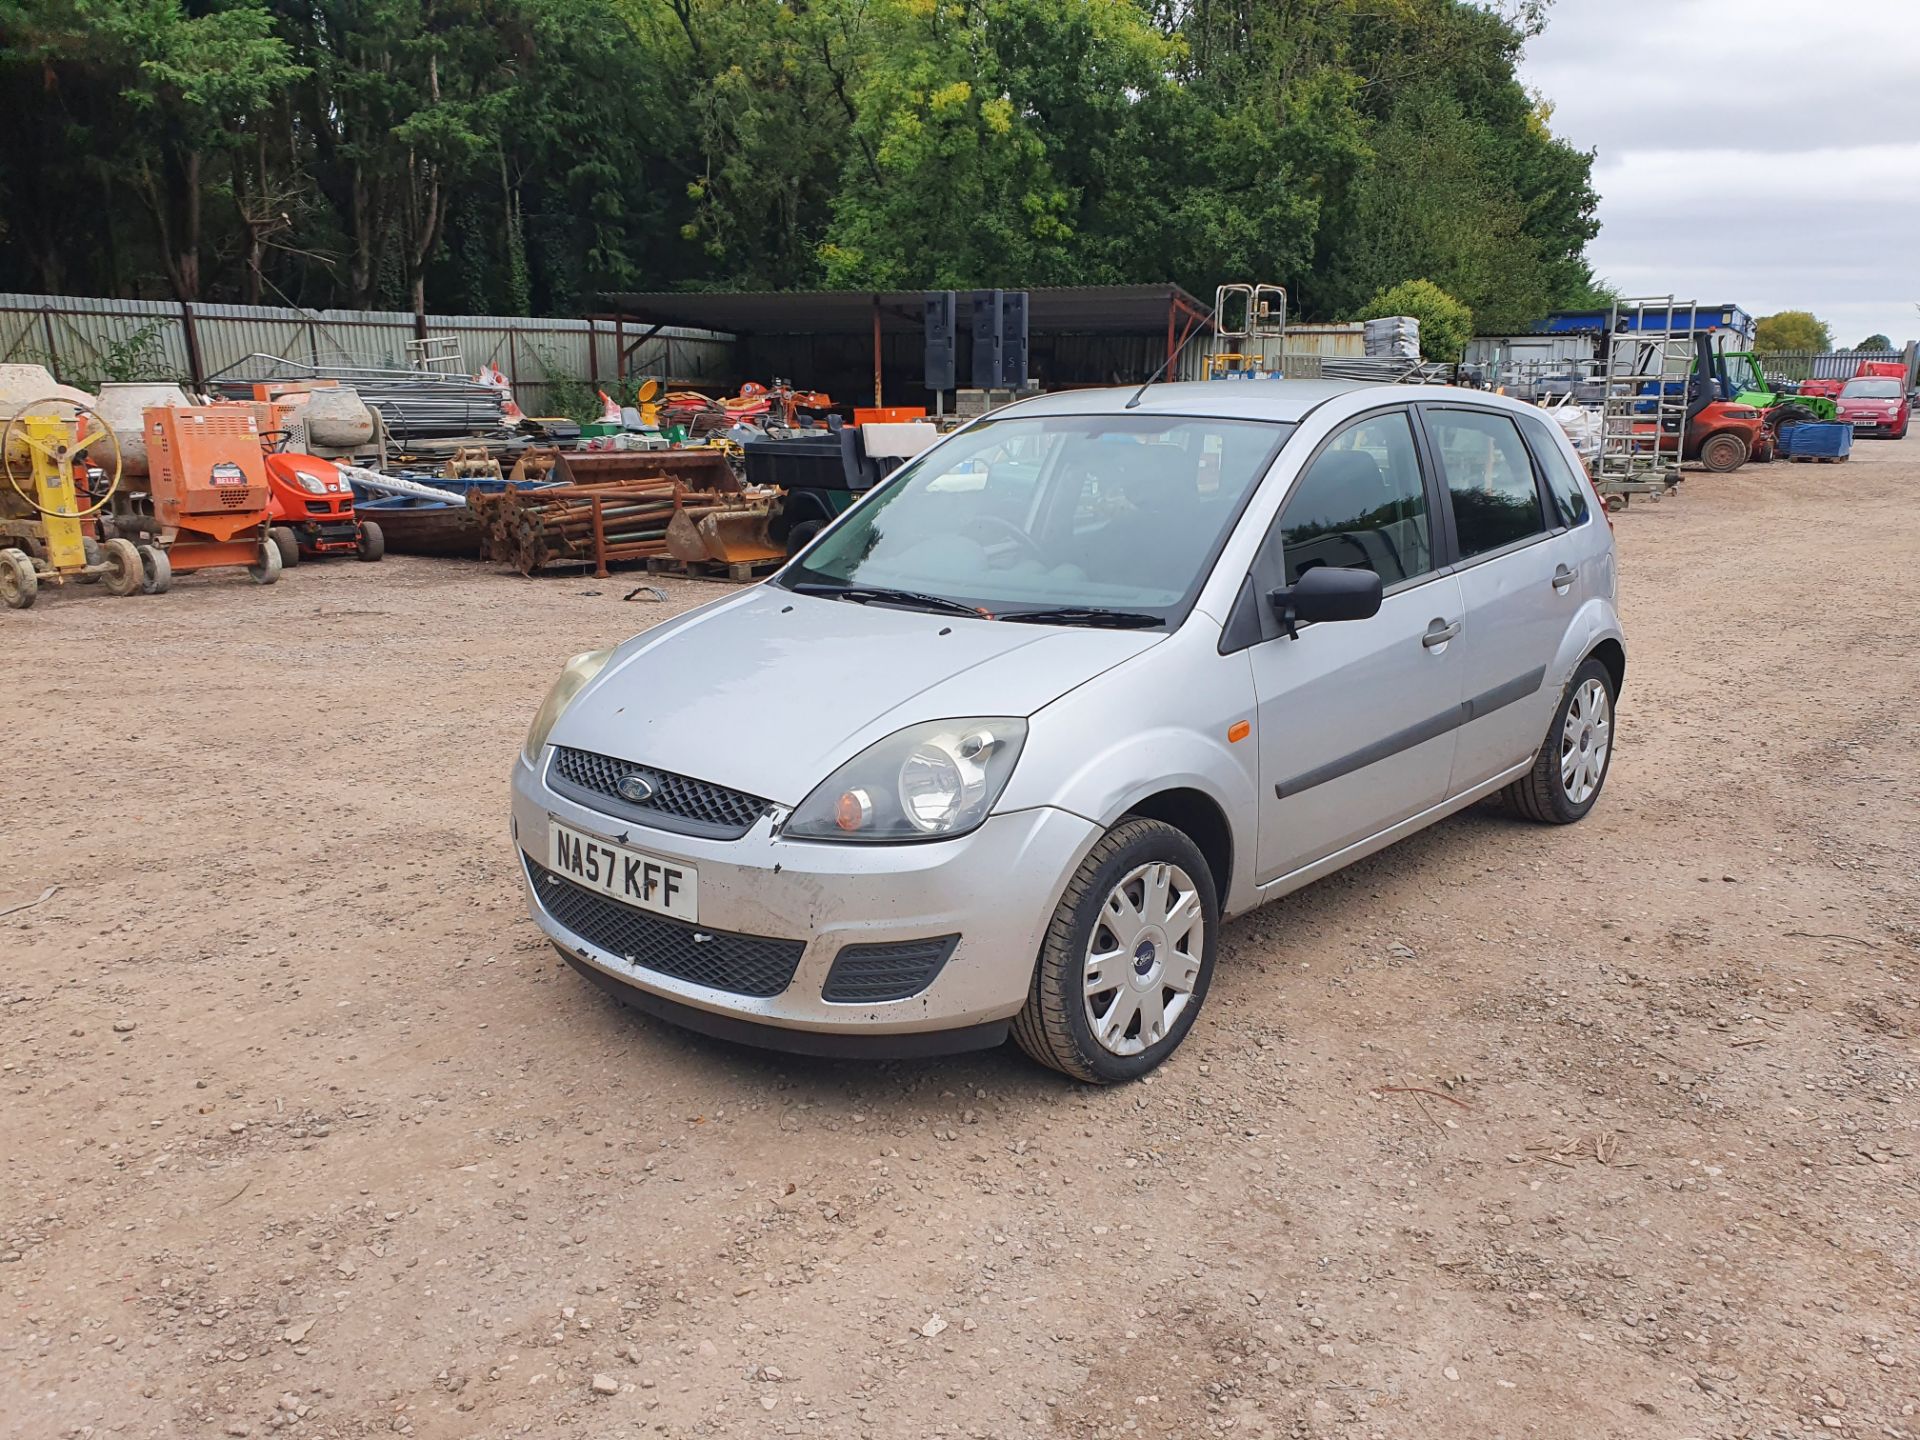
(1562,579)
(1439,633)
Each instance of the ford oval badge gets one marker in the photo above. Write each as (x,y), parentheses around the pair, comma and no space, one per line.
(634,788)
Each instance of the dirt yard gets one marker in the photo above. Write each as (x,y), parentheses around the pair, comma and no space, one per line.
(1599,1132)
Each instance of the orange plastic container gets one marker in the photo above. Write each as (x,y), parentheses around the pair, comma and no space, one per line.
(887,414)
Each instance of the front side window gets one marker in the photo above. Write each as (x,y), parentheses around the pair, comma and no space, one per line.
(1565,489)
(1361,505)
(1030,513)
(1489,479)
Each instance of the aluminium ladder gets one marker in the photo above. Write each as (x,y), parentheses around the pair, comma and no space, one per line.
(1643,411)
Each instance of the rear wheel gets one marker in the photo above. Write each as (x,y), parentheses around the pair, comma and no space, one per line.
(372,544)
(801,535)
(125,573)
(18,582)
(1127,958)
(287,543)
(1723,452)
(267,569)
(1576,755)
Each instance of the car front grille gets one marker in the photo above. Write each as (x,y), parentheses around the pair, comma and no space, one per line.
(738,964)
(862,974)
(678,802)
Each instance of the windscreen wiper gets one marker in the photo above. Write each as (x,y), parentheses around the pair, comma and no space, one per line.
(1089,615)
(881,594)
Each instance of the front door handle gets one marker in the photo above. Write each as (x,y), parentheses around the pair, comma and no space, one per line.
(1439,633)
(1562,579)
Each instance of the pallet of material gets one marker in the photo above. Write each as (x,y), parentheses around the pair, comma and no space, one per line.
(736,572)
(598,525)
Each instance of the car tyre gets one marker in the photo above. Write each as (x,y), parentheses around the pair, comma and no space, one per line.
(1143,897)
(1567,776)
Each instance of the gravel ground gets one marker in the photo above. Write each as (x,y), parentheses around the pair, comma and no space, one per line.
(1605,1131)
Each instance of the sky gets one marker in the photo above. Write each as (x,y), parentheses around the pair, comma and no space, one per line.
(1751,152)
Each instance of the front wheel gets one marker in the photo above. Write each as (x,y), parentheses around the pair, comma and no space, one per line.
(266,570)
(372,544)
(287,543)
(156,570)
(1724,452)
(1127,958)
(1576,755)
(125,571)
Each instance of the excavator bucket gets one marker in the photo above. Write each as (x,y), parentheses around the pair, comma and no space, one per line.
(702,469)
(683,539)
(739,536)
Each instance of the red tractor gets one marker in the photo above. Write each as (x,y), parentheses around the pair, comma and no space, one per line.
(312,507)
(1722,434)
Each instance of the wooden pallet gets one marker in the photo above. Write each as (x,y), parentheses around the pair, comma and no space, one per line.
(737,573)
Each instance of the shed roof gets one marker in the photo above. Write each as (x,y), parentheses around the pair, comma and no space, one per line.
(1051,310)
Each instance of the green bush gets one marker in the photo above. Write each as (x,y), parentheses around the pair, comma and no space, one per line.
(1445,324)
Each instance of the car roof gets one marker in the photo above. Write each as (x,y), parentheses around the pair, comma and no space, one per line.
(1281,400)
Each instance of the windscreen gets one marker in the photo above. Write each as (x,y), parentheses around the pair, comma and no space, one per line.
(1111,511)
(1871,388)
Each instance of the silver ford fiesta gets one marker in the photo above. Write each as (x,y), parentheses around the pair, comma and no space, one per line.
(1004,745)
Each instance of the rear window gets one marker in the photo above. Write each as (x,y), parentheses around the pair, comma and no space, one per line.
(1871,388)
(1489,479)
(1566,490)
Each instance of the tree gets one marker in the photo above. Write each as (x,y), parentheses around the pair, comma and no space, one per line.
(1875,342)
(1445,324)
(1791,330)
(512,154)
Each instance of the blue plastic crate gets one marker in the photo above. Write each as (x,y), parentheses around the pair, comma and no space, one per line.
(1819,440)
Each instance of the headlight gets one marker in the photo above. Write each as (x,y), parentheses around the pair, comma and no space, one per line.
(574,676)
(312,484)
(925,782)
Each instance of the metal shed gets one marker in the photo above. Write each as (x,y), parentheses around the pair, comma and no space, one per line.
(871,342)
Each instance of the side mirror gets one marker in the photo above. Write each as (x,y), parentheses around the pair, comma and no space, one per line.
(1326,592)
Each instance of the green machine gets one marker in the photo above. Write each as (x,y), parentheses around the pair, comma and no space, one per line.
(1743,382)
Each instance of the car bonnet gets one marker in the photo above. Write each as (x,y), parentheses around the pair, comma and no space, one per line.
(770,692)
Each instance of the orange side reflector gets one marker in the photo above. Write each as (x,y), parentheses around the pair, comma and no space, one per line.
(1238,731)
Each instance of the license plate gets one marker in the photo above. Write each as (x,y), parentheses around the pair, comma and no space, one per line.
(646,882)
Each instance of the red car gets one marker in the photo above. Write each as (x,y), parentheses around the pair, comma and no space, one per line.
(1875,405)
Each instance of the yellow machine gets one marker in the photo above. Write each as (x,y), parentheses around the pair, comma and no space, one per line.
(47,524)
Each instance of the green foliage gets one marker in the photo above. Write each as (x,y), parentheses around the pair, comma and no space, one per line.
(523,154)
(1791,330)
(1445,324)
(1875,342)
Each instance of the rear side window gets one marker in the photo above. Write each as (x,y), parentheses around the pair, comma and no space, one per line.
(1489,479)
(1361,505)
(1566,491)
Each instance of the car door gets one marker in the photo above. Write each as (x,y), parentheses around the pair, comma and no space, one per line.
(1356,718)
(1519,590)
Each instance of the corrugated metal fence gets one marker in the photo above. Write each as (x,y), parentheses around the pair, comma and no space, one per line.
(1834,364)
(85,340)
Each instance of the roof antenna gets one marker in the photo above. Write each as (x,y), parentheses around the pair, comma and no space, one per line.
(1167,364)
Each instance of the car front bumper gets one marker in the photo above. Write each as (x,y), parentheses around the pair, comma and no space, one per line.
(995,888)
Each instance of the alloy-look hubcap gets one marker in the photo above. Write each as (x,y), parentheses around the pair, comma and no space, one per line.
(1584,742)
(1143,958)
